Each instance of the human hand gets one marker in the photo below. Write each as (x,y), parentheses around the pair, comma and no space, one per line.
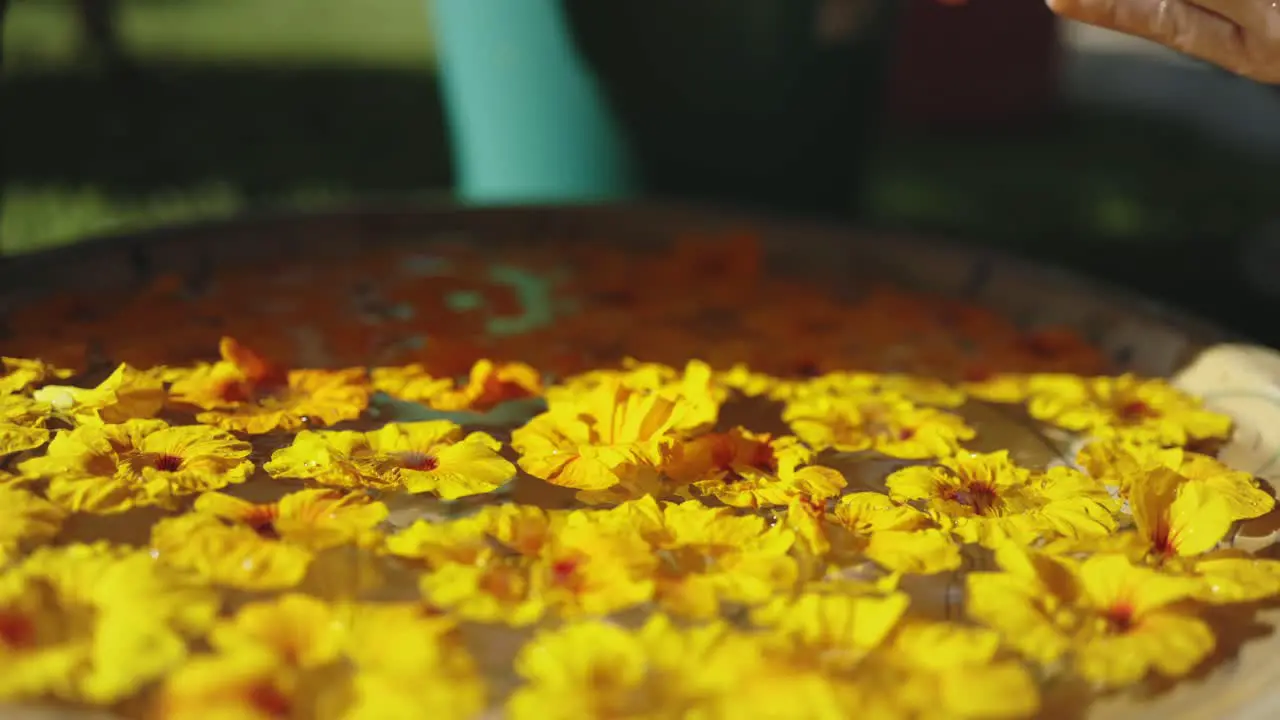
(1242,36)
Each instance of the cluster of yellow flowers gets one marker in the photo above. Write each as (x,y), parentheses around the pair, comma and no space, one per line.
(230,540)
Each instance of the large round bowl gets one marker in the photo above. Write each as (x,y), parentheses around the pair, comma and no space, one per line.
(1135,334)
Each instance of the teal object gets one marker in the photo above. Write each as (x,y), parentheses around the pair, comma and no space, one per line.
(527,121)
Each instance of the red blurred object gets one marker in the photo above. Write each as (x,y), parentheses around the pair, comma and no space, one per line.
(974,63)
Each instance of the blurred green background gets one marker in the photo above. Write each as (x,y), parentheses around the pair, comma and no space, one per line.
(236,105)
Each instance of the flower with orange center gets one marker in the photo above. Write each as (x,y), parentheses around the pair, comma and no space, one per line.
(887,424)
(111,468)
(987,499)
(93,625)
(239,686)
(233,542)
(1124,407)
(746,469)
(709,556)
(244,392)
(300,630)
(596,438)
(1113,621)
(489,384)
(431,456)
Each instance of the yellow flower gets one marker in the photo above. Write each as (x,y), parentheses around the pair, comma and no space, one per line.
(25,519)
(22,422)
(594,567)
(945,670)
(912,389)
(1178,523)
(597,670)
(708,556)
(111,468)
(595,440)
(125,394)
(812,657)
(430,456)
(83,624)
(1115,622)
(268,546)
(1126,407)
(987,499)
(245,393)
(887,424)
(299,630)
(696,386)
(313,518)
(745,469)
(753,384)
(1116,462)
(409,664)
(242,686)
(896,537)
(1001,388)
(20,374)
(488,385)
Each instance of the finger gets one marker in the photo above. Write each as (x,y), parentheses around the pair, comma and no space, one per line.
(1174,23)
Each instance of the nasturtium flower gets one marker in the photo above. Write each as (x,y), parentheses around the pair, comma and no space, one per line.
(246,393)
(1000,388)
(1117,462)
(1179,524)
(126,394)
(594,670)
(1126,407)
(598,438)
(887,424)
(946,670)
(489,384)
(709,556)
(1114,622)
(592,566)
(696,386)
(430,456)
(745,469)
(500,591)
(239,686)
(409,663)
(300,630)
(111,468)
(22,424)
(22,374)
(233,542)
(988,499)
(91,625)
(913,389)
(492,531)
(753,384)
(26,519)
(896,537)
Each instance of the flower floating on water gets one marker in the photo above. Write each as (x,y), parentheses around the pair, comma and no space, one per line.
(26,519)
(886,424)
(988,499)
(1126,407)
(489,384)
(112,468)
(244,392)
(20,374)
(92,625)
(746,469)
(234,542)
(431,456)
(608,434)
(126,394)
(596,670)
(1113,621)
